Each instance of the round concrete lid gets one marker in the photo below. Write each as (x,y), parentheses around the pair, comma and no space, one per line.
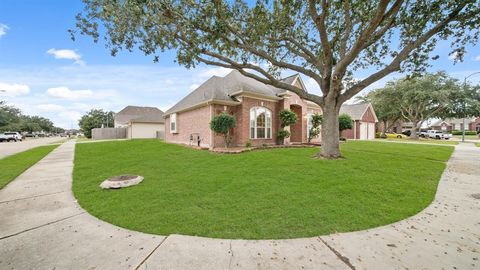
(121,181)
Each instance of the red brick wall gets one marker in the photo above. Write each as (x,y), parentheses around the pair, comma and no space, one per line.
(349,133)
(190,122)
(473,125)
(368,116)
(219,140)
(242,131)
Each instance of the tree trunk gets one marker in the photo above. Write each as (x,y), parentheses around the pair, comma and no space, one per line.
(385,123)
(330,133)
(413,135)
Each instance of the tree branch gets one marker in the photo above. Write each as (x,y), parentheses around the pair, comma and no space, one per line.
(402,55)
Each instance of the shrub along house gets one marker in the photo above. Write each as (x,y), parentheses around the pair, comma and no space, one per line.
(364,119)
(255,106)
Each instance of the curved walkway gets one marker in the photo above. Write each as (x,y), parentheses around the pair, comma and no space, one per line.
(42,227)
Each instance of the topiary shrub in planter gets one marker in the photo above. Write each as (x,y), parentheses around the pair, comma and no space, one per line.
(287,118)
(222,124)
(314,131)
(282,134)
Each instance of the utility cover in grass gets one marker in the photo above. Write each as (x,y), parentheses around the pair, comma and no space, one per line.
(121,181)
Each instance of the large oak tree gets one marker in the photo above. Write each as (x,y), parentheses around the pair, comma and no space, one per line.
(327,41)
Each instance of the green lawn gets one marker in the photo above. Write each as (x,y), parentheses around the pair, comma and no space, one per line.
(265,194)
(13,166)
(421,140)
(477,144)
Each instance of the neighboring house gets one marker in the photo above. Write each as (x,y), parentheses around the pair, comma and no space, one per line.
(255,106)
(364,118)
(449,124)
(141,122)
(398,126)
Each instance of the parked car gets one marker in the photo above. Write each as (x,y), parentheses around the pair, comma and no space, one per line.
(395,135)
(407,133)
(423,133)
(438,134)
(10,137)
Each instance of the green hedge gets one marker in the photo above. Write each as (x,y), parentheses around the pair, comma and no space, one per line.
(467,132)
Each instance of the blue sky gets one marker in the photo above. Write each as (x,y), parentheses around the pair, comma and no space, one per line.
(46,73)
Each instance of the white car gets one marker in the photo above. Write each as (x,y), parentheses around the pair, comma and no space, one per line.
(10,137)
(438,134)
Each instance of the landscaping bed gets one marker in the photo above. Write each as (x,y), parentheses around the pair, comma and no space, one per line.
(271,194)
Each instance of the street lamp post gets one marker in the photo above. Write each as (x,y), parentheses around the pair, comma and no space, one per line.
(464,88)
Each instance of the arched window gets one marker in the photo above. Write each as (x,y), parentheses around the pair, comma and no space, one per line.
(260,123)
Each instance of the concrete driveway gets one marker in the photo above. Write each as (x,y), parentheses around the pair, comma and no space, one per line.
(42,227)
(11,148)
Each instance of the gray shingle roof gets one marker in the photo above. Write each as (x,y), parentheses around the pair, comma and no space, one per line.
(355,111)
(290,79)
(139,114)
(223,89)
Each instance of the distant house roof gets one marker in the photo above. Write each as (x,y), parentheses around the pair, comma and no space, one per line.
(450,121)
(139,114)
(356,111)
(225,89)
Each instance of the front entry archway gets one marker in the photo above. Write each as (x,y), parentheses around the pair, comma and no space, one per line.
(296,129)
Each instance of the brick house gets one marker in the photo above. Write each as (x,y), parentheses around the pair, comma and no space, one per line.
(364,119)
(255,106)
(449,124)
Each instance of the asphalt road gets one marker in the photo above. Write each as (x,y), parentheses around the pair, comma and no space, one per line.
(11,148)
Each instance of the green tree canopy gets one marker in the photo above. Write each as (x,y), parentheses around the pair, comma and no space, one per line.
(464,103)
(344,122)
(385,109)
(420,98)
(95,118)
(327,41)
(12,119)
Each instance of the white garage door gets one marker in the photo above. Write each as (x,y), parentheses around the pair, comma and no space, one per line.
(363,131)
(367,131)
(371,131)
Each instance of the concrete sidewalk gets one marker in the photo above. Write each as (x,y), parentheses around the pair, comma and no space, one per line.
(42,227)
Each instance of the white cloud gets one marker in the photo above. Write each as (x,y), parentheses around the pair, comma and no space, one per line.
(63,92)
(477,58)
(13,90)
(3,29)
(66,54)
(50,107)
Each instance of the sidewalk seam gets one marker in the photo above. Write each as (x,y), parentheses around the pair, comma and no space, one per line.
(342,258)
(40,226)
(31,197)
(150,254)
